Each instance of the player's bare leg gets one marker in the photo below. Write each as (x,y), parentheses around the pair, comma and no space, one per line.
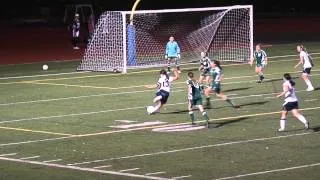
(207,93)
(306,79)
(259,71)
(301,118)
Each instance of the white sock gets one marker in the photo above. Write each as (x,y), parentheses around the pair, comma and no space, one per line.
(283,123)
(156,107)
(309,84)
(302,119)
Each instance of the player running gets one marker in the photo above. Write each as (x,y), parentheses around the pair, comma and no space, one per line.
(205,67)
(173,53)
(290,103)
(261,59)
(307,66)
(163,89)
(195,92)
(216,73)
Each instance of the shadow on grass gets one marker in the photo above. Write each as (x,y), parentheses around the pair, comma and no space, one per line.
(315,129)
(253,103)
(223,123)
(237,89)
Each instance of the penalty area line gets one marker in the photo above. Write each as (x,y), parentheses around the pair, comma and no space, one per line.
(34,131)
(81,168)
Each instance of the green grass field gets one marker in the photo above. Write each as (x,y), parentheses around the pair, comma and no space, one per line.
(62,124)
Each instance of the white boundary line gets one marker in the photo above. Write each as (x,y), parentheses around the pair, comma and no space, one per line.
(81,169)
(10,154)
(192,148)
(269,171)
(100,167)
(53,160)
(143,128)
(126,170)
(124,109)
(137,72)
(31,157)
(181,177)
(155,173)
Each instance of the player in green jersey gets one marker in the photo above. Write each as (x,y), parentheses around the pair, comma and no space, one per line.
(205,67)
(260,57)
(195,92)
(216,74)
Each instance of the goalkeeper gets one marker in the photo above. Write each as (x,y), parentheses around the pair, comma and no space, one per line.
(173,53)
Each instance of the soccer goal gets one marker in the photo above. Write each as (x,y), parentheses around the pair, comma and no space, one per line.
(226,33)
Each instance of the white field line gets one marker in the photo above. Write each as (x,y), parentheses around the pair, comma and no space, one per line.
(192,148)
(53,160)
(269,171)
(42,75)
(144,128)
(155,173)
(122,109)
(137,72)
(181,177)
(10,154)
(81,169)
(126,170)
(31,157)
(310,100)
(34,131)
(100,167)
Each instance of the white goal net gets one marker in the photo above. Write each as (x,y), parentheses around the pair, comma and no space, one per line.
(224,32)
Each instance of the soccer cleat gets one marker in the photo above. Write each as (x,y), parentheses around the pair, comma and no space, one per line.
(310,89)
(259,81)
(280,130)
(307,125)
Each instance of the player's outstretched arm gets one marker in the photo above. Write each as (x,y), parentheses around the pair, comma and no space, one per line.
(300,62)
(152,86)
(176,75)
(285,90)
(251,61)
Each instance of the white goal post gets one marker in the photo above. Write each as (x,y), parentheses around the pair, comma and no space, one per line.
(226,33)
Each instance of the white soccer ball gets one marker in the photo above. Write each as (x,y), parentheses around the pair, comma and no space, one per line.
(45,67)
(150,109)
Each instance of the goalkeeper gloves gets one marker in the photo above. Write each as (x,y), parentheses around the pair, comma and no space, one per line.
(166,56)
(178,56)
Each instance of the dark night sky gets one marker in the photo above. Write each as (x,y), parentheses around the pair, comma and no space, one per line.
(31,7)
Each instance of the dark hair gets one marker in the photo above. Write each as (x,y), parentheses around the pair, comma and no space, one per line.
(217,63)
(164,72)
(259,44)
(302,47)
(287,76)
(190,74)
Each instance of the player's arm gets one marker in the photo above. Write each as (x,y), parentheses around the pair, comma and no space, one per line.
(265,58)
(178,50)
(251,61)
(285,90)
(153,86)
(300,62)
(176,75)
(167,50)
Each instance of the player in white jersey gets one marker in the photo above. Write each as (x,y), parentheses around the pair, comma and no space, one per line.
(163,89)
(290,103)
(307,65)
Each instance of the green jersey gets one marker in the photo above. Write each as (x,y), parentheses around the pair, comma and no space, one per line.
(216,74)
(259,57)
(194,90)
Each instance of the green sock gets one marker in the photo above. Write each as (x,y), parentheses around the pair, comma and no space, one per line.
(208,101)
(261,76)
(205,116)
(230,102)
(191,116)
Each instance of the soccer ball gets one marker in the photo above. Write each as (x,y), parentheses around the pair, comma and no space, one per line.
(45,67)
(150,109)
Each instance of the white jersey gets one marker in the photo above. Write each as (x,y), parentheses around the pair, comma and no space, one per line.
(164,83)
(306,60)
(290,95)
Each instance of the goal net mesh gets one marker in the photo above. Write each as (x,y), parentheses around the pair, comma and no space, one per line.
(224,34)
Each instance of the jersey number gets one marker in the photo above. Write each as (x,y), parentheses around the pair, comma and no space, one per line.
(165,83)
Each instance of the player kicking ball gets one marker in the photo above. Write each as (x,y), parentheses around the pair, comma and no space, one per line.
(195,92)
(261,59)
(205,67)
(290,103)
(163,90)
(216,74)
